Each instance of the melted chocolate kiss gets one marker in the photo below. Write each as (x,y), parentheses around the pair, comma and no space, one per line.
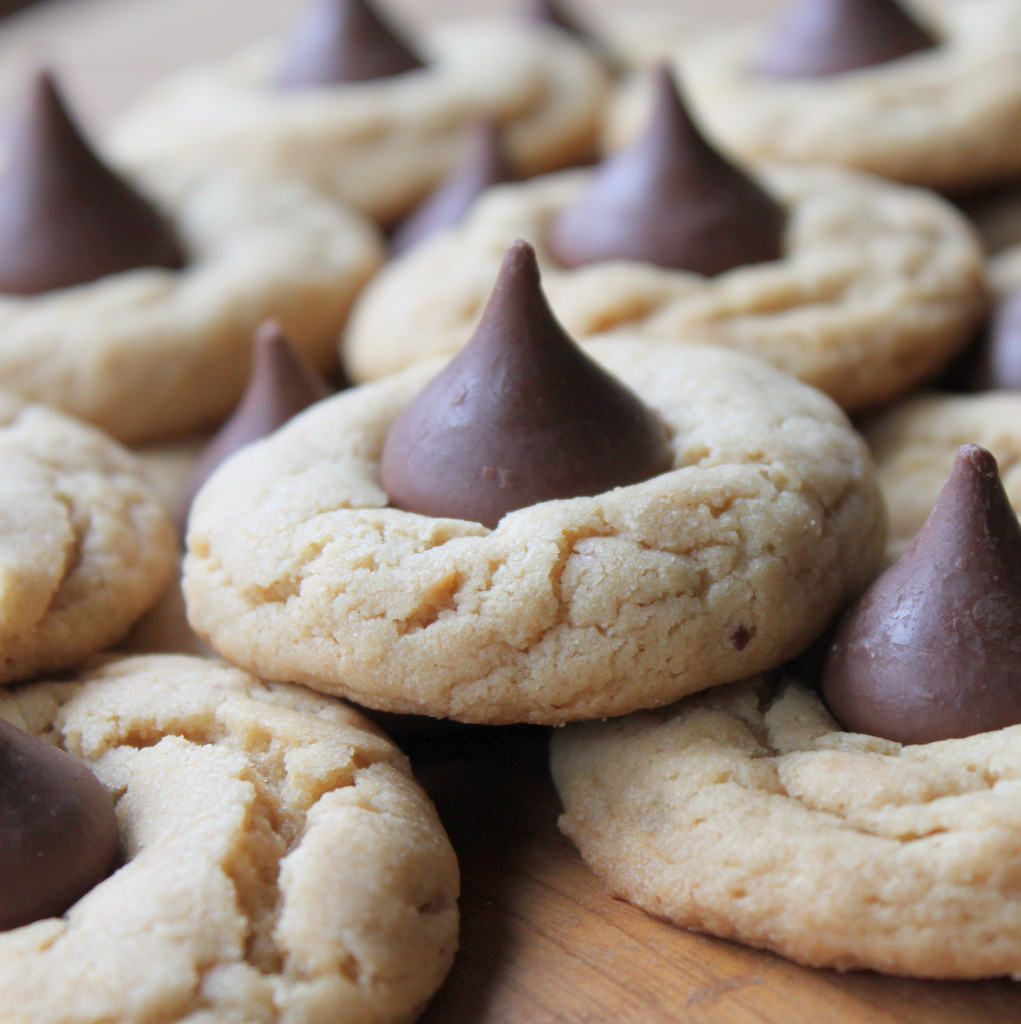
(66,218)
(826,37)
(344,41)
(484,166)
(280,386)
(58,832)
(520,415)
(933,648)
(669,199)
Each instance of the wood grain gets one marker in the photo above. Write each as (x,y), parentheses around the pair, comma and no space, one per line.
(543,943)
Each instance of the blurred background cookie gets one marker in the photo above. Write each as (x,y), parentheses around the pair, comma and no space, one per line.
(377,135)
(933,97)
(88,321)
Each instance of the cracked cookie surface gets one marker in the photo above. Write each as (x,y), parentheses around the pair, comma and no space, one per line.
(945,118)
(747,813)
(85,544)
(914,444)
(279,862)
(730,562)
(381,145)
(879,286)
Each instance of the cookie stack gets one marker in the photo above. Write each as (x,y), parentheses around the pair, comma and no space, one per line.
(595,470)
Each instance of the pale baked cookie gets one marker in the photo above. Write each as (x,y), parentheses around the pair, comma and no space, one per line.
(747,813)
(731,562)
(85,544)
(151,353)
(280,863)
(382,145)
(915,442)
(879,287)
(948,117)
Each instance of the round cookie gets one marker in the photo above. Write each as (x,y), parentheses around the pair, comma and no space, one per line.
(945,118)
(879,287)
(732,561)
(747,813)
(381,145)
(279,861)
(915,442)
(85,545)
(149,353)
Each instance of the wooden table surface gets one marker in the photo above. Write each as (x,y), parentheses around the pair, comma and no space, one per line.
(541,941)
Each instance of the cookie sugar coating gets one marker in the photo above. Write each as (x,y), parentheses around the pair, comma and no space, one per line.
(382,145)
(878,287)
(85,543)
(745,812)
(946,117)
(574,608)
(281,865)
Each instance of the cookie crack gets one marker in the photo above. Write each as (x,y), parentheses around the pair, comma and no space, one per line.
(72,555)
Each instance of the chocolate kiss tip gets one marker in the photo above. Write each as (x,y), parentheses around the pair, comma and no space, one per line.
(931,651)
(58,830)
(281,385)
(344,41)
(826,37)
(521,415)
(669,199)
(483,166)
(66,218)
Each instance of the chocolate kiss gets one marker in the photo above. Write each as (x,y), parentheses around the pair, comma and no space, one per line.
(669,199)
(824,37)
(280,386)
(933,648)
(344,41)
(520,415)
(484,166)
(65,217)
(58,831)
